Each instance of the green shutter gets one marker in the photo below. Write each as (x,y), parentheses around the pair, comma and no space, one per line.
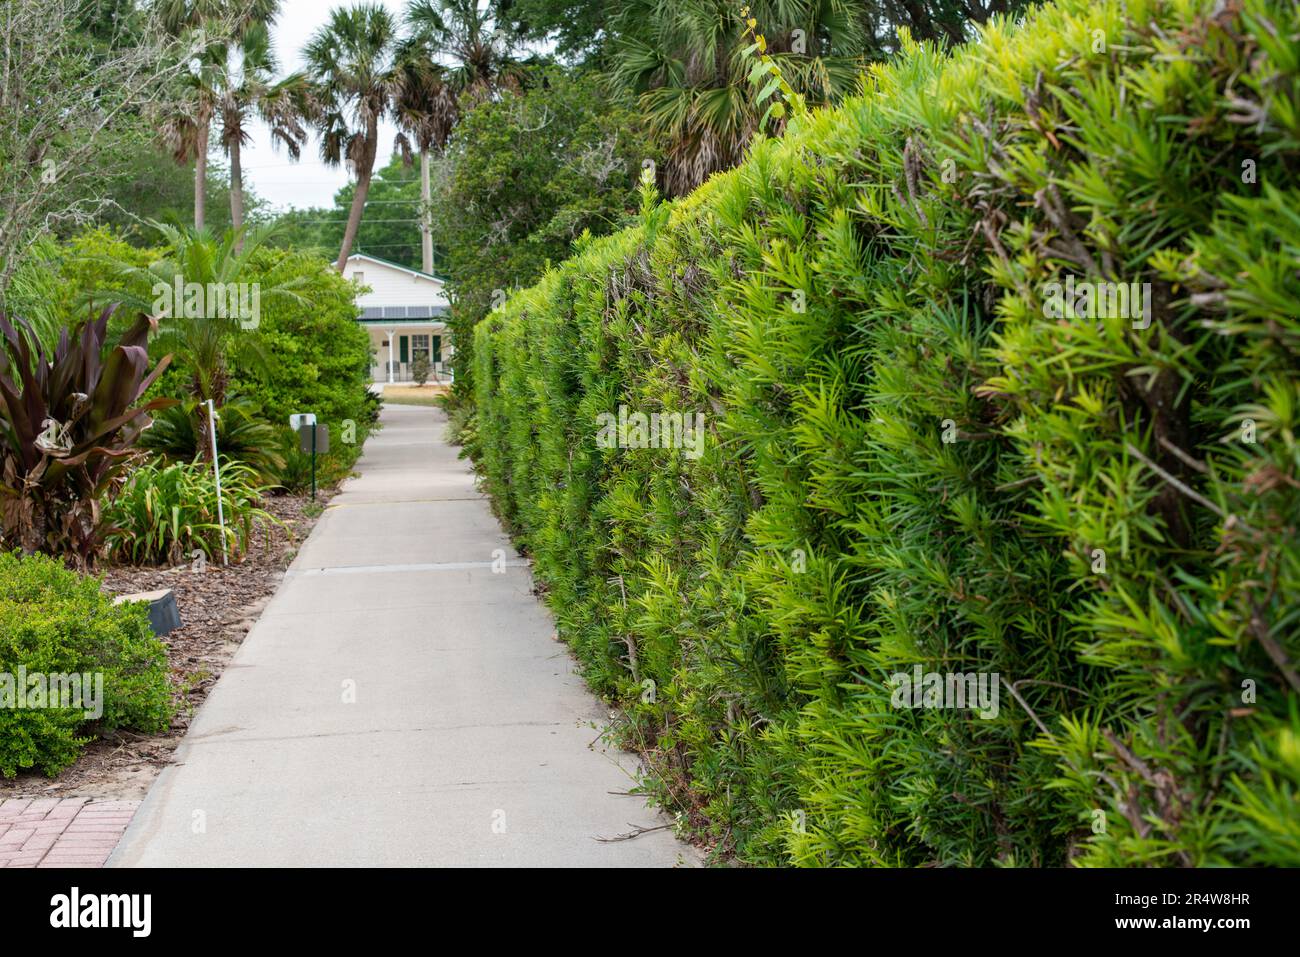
(437,349)
(404,343)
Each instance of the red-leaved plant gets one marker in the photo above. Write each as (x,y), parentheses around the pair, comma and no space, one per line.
(68,427)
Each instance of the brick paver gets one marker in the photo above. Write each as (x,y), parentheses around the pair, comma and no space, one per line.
(61,832)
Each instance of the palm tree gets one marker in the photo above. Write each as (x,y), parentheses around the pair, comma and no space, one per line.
(425,109)
(187,134)
(248,89)
(479,63)
(463,32)
(205,343)
(351,62)
(685,60)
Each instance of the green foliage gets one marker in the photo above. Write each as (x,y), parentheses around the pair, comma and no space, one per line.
(597,31)
(149,185)
(840,307)
(55,622)
(34,293)
(206,336)
(58,282)
(318,357)
(331,468)
(579,29)
(68,421)
(182,432)
(307,354)
(420,370)
(688,63)
(525,177)
(167,512)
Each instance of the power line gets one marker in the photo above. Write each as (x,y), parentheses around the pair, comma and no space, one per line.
(340,222)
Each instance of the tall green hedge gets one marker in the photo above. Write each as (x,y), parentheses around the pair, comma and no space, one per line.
(911,459)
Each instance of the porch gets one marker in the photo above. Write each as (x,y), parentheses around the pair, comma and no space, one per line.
(395,347)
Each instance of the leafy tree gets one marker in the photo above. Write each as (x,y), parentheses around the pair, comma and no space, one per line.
(74,87)
(522,179)
(588,31)
(684,59)
(149,185)
(578,29)
(482,61)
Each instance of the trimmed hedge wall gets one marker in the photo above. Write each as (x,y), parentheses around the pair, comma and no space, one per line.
(912,459)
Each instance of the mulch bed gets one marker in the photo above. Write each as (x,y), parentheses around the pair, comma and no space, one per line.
(218,606)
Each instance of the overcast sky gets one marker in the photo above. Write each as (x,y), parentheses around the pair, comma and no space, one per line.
(270,172)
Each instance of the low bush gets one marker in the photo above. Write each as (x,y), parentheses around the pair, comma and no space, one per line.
(54,622)
(331,468)
(182,433)
(420,370)
(166,513)
(916,458)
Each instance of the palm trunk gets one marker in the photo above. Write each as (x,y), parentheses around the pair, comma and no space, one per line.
(364,172)
(201,173)
(426,228)
(236,194)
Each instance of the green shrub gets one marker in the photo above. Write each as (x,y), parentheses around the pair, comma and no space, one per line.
(910,461)
(167,512)
(420,370)
(307,354)
(182,432)
(522,179)
(318,358)
(331,469)
(54,622)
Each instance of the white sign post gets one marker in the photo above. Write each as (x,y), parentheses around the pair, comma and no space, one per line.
(216,471)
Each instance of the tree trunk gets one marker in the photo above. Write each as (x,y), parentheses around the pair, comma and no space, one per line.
(364,172)
(201,173)
(236,194)
(426,228)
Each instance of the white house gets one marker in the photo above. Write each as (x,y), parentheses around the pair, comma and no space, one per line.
(406,312)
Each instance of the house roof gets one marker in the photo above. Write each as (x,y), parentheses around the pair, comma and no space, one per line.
(396,315)
(392,265)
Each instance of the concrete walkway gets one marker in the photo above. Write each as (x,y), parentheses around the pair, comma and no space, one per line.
(400,703)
